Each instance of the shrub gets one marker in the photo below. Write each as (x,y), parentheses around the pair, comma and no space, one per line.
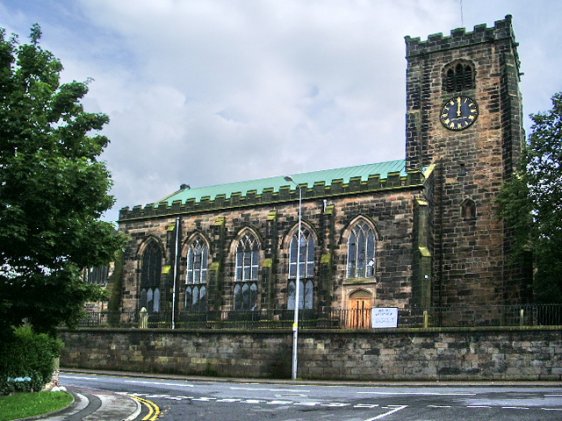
(26,360)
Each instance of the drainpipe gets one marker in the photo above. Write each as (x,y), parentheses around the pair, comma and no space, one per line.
(176,251)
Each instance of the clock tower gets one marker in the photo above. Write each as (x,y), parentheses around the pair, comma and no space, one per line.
(464,122)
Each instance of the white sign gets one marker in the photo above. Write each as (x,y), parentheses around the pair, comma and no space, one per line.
(384,317)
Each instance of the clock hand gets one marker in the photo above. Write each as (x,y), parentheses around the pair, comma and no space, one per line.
(459,113)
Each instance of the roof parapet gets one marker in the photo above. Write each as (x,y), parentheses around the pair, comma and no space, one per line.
(319,190)
(502,29)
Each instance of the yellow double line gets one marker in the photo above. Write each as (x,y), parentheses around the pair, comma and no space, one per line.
(153,409)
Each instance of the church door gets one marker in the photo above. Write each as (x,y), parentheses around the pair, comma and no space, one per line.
(359,310)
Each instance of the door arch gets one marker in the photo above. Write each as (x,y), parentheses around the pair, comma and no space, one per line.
(359,307)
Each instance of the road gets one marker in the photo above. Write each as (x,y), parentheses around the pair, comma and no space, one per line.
(231,401)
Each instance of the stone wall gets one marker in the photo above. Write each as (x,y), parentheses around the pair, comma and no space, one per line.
(431,354)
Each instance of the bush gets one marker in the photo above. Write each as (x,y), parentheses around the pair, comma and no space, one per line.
(26,360)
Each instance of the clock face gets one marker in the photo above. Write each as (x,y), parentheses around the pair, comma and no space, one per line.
(459,113)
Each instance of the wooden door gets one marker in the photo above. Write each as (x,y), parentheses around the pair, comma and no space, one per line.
(359,310)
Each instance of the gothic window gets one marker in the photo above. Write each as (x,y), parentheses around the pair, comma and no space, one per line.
(458,77)
(196,280)
(361,251)
(306,270)
(247,267)
(468,209)
(98,275)
(150,278)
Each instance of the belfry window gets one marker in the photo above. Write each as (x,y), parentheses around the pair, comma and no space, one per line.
(150,278)
(306,271)
(361,248)
(247,268)
(458,77)
(196,280)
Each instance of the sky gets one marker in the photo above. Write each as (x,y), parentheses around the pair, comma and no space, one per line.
(204,92)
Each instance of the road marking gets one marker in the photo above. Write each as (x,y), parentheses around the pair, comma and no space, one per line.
(551,409)
(478,406)
(153,409)
(514,407)
(270,390)
(417,393)
(392,411)
(157,383)
(439,406)
(553,396)
(80,378)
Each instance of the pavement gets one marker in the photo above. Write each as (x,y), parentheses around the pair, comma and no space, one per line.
(96,405)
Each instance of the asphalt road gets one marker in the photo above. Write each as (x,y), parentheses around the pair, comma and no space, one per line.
(231,401)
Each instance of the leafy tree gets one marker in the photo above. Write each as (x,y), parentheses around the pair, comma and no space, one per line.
(53,190)
(531,203)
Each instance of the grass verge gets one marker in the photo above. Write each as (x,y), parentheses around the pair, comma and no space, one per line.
(22,405)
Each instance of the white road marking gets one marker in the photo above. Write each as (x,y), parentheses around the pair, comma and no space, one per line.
(514,407)
(366,405)
(269,390)
(392,411)
(551,409)
(478,406)
(158,383)
(417,393)
(79,378)
(439,406)
(553,396)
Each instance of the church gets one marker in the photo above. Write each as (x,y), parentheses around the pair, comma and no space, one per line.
(415,233)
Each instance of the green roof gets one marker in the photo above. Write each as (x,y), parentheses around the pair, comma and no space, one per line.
(382,169)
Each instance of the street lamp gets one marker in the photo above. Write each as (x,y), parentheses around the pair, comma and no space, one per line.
(297,285)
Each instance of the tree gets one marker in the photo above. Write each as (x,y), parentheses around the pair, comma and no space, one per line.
(53,190)
(531,203)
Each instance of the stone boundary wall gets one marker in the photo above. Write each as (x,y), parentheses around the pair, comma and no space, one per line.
(401,354)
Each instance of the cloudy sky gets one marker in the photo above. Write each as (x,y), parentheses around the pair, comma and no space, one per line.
(204,92)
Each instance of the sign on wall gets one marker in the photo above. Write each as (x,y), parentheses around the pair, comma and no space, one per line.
(384,317)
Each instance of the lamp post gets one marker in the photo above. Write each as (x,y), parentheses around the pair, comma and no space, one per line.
(297,286)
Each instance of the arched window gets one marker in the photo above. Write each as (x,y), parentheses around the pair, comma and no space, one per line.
(196,279)
(150,278)
(306,271)
(361,248)
(247,269)
(468,209)
(458,77)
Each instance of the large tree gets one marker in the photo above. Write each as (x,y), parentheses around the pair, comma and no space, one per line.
(531,203)
(53,189)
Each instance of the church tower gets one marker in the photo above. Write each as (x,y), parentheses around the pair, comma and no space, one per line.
(464,122)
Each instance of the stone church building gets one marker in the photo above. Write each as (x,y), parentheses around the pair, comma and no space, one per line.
(414,233)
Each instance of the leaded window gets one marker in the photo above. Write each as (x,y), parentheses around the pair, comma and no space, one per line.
(247,269)
(150,278)
(306,270)
(196,279)
(361,261)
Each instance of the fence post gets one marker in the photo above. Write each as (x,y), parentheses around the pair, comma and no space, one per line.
(521,317)
(425,319)
(143,318)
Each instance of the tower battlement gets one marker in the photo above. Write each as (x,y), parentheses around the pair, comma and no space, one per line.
(459,38)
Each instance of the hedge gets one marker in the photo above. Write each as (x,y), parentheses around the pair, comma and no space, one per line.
(26,360)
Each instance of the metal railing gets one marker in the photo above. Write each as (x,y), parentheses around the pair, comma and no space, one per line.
(335,318)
